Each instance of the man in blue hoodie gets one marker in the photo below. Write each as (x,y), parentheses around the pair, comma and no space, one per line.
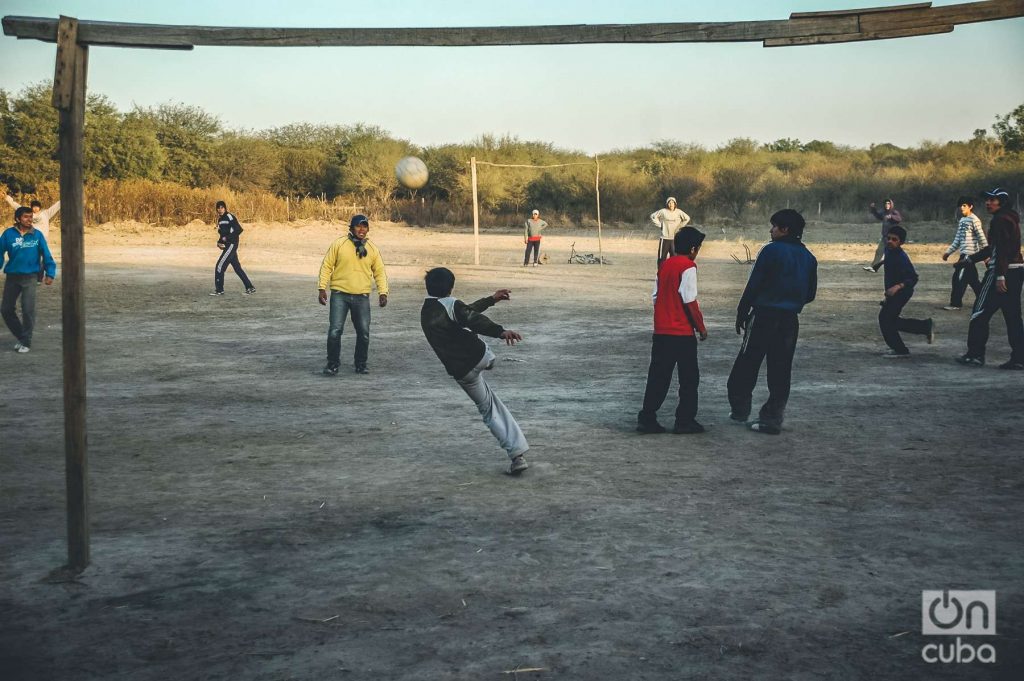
(26,251)
(784,279)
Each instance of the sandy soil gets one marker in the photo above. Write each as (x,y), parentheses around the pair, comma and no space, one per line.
(252,519)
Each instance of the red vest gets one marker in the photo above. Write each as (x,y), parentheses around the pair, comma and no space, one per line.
(670,317)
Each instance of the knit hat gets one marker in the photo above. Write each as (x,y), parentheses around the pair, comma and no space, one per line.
(671,199)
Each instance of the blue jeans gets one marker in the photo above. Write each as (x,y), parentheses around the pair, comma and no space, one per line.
(341,305)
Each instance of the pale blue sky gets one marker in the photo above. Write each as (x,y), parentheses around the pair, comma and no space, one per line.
(589,97)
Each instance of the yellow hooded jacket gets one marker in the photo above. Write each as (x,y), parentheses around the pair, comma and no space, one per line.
(343,270)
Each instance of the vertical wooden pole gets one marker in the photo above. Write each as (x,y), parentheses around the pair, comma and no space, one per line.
(476,214)
(597,191)
(69,97)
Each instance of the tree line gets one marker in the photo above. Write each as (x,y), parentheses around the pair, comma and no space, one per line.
(167,164)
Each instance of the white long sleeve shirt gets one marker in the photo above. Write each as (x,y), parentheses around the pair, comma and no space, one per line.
(40,220)
(670,221)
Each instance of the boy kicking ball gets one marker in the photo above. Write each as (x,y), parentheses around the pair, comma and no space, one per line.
(450,326)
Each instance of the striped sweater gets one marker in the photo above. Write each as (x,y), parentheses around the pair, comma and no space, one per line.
(970,237)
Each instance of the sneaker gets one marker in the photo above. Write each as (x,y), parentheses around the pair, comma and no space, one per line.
(330,370)
(892,354)
(362,370)
(766,428)
(691,428)
(217,293)
(1010,366)
(18,347)
(736,418)
(251,290)
(518,465)
(650,428)
(931,331)
(869,268)
(969,361)
(951,308)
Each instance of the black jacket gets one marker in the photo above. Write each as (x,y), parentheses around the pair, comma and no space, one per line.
(229,229)
(452,334)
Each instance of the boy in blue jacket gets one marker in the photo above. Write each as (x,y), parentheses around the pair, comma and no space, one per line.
(900,279)
(784,279)
(26,252)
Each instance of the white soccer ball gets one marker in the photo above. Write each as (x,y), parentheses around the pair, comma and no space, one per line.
(411,172)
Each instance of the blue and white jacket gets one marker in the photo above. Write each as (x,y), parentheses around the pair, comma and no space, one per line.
(26,253)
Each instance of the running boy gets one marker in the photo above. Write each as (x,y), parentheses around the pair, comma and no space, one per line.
(900,279)
(450,326)
(677,322)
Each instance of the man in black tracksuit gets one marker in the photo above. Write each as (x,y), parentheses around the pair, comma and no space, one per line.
(1001,287)
(229,230)
(784,279)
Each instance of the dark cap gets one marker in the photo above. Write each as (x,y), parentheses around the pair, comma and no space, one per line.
(359,219)
(996,193)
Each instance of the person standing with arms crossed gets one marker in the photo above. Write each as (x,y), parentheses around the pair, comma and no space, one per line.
(670,220)
(350,268)
(531,237)
(783,279)
(229,231)
(969,239)
(26,251)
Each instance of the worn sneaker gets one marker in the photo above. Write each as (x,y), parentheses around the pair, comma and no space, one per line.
(18,347)
(650,428)
(518,465)
(330,370)
(892,354)
(931,331)
(217,293)
(766,428)
(969,361)
(1012,366)
(691,428)
(951,308)
(362,370)
(870,269)
(251,290)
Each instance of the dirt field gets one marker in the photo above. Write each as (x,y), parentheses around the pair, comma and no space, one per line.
(252,519)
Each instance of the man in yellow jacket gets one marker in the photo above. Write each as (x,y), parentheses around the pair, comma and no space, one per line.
(349,270)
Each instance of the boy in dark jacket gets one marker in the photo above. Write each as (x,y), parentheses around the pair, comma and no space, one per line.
(1001,287)
(677,322)
(783,279)
(228,230)
(900,279)
(451,326)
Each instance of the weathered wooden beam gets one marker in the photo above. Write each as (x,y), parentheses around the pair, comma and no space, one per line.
(64,70)
(855,37)
(72,247)
(863,10)
(964,13)
(153,35)
(875,20)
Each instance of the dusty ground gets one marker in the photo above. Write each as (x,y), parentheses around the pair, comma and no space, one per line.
(252,519)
